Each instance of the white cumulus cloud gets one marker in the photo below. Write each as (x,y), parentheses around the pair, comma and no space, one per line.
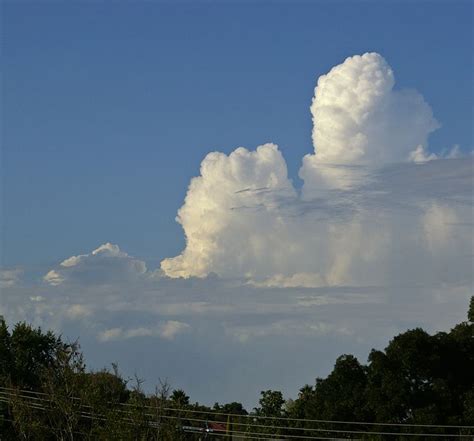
(105,264)
(243,182)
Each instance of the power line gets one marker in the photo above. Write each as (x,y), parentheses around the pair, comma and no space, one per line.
(248,435)
(445,426)
(261,425)
(311,429)
(265,436)
(37,406)
(172,409)
(210,411)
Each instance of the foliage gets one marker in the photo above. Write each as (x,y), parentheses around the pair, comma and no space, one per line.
(271,403)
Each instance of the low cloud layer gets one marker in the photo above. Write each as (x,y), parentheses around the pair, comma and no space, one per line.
(210,336)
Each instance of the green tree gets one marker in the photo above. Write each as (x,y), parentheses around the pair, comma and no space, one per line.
(270,409)
(234,408)
(5,352)
(179,398)
(303,406)
(60,381)
(32,351)
(271,403)
(29,358)
(401,378)
(342,395)
(422,378)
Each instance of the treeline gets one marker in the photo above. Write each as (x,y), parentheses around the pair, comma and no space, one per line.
(417,385)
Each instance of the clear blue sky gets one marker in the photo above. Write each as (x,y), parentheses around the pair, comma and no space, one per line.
(108,108)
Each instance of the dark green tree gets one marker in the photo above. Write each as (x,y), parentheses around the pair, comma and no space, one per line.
(401,378)
(271,403)
(179,398)
(5,352)
(232,408)
(32,351)
(303,406)
(342,395)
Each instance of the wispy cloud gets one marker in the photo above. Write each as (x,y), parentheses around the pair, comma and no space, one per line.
(10,277)
(167,330)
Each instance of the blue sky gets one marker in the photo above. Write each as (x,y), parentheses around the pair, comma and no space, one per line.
(108,110)
(111,108)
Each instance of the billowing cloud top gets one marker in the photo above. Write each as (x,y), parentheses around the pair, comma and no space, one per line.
(243,181)
(360,120)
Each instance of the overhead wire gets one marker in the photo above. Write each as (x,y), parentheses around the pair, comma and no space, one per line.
(10,392)
(36,405)
(173,409)
(246,434)
(324,421)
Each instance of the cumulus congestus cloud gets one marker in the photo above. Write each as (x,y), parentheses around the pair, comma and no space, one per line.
(354,221)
